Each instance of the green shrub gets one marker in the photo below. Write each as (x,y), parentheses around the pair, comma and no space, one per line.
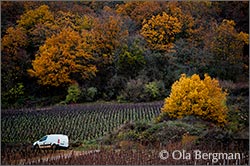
(238,114)
(91,93)
(14,97)
(88,94)
(216,135)
(131,135)
(73,93)
(162,133)
(139,90)
(170,134)
(154,90)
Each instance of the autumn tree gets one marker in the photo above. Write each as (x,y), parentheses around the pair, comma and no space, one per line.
(74,21)
(14,60)
(20,43)
(108,33)
(18,47)
(33,17)
(191,96)
(63,59)
(230,11)
(106,38)
(226,45)
(37,24)
(138,11)
(161,30)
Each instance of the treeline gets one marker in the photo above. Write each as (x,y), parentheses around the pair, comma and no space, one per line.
(69,52)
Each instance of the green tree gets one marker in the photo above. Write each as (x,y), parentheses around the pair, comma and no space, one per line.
(131,60)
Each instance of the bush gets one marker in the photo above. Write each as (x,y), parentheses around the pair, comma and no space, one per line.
(73,93)
(154,90)
(139,90)
(91,93)
(193,96)
(141,126)
(153,134)
(13,97)
(88,94)
(162,133)
(131,135)
(238,113)
(134,91)
(113,87)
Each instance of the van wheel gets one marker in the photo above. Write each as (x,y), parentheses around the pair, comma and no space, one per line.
(54,148)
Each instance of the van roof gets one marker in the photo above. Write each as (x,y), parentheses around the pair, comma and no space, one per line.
(57,135)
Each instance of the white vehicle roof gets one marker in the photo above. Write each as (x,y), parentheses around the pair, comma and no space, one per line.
(57,135)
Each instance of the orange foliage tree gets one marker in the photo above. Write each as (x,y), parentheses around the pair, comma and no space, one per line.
(227,45)
(33,17)
(62,59)
(166,26)
(160,31)
(227,41)
(38,25)
(107,35)
(14,39)
(201,98)
(138,11)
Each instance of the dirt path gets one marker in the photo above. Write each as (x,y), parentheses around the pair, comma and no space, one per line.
(54,156)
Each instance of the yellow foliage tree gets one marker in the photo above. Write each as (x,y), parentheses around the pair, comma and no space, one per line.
(62,59)
(14,39)
(227,43)
(31,18)
(201,98)
(38,25)
(140,10)
(74,21)
(160,31)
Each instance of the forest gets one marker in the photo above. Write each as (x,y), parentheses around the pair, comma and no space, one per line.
(77,52)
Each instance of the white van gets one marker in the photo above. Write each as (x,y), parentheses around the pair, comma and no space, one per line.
(53,141)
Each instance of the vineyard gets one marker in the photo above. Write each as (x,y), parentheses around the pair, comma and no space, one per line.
(84,122)
(79,122)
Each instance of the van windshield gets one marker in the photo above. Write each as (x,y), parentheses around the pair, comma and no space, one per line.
(43,139)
